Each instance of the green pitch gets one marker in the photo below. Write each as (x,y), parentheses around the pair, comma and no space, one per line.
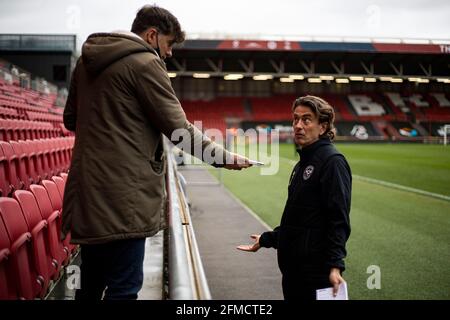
(405,234)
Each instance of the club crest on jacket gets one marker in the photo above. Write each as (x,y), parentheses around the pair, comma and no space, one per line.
(308,172)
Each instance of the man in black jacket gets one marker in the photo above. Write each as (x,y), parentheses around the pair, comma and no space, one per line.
(315,225)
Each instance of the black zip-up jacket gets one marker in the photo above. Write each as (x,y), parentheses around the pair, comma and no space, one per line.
(315,224)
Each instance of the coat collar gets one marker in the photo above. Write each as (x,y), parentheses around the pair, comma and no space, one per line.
(309,150)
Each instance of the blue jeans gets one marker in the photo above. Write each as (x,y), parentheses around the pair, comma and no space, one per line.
(114,269)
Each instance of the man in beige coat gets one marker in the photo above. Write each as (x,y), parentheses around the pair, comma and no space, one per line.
(120,103)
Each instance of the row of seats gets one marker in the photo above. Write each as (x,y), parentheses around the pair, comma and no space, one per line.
(28,96)
(11,129)
(23,163)
(20,106)
(223,107)
(278,108)
(31,253)
(41,116)
(56,110)
(8,113)
(55,116)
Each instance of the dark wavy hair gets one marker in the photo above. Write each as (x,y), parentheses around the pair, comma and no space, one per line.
(322,110)
(160,18)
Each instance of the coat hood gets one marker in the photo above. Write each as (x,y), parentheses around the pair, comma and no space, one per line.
(102,49)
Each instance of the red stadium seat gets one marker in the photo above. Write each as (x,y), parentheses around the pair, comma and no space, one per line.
(4,183)
(29,162)
(53,218)
(41,163)
(45,264)
(9,129)
(29,284)
(57,201)
(11,167)
(57,156)
(60,184)
(21,164)
(53,193)
(64,176)
(64,153)
(49,159)
(34,157)
(4,134)
(7,289)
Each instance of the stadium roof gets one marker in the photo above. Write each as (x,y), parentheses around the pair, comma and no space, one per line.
(272,45)
(38,42)
(311,59)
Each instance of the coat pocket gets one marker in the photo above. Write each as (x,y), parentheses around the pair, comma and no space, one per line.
(158,167)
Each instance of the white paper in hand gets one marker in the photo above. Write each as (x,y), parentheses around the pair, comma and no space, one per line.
(256,163)
(327,293)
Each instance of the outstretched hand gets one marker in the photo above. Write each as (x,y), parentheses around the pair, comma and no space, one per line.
(238,162)
(251,247)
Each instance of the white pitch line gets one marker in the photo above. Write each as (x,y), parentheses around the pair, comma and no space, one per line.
(390,184)
(401,187)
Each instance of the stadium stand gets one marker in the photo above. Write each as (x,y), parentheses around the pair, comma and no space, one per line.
(378,84)
(386,116)
(34,149)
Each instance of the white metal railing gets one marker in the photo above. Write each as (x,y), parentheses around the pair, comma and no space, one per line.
(187,280)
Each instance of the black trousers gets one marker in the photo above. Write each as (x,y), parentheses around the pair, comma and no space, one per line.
(112,270)
(300,284)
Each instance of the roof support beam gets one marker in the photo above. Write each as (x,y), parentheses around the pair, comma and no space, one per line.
(339,69)
(399,70)
(279,68)
(215,67)
(428,72)
(368,68)
(309,68)
(248,68)
(180,67)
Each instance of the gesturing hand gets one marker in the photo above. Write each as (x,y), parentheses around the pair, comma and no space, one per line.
(251,247)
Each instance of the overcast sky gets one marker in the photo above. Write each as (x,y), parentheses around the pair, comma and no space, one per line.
(259,19)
